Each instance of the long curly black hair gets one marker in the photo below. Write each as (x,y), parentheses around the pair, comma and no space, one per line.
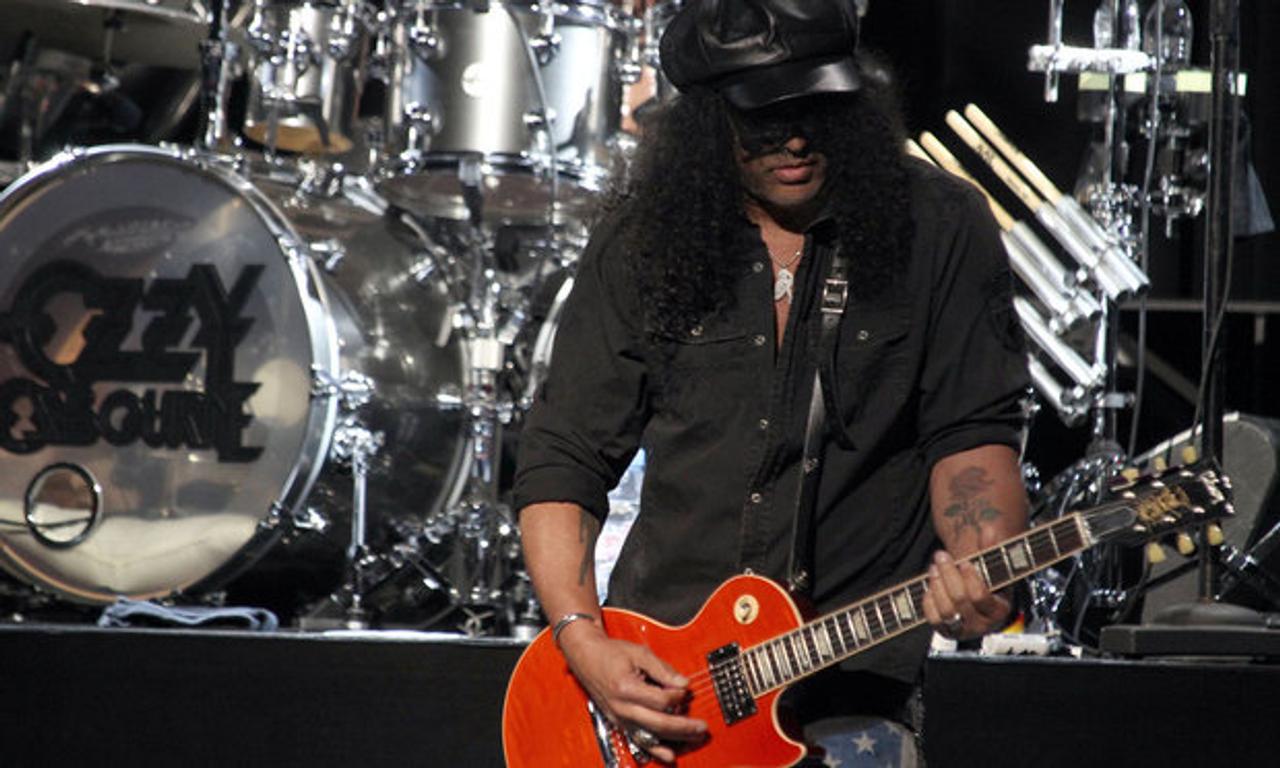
(683,206)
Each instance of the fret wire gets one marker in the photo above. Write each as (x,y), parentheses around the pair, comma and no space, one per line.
(774,663)
(997,567)
(1049,537)
(815,650)
(1008,564)
(873,621)
(893,610)
(802,651)
(902,601)
(832,624)
(879,617)
(821,643)
(850,617)
(982,566)
(918,589)
(788,656)
(753,671)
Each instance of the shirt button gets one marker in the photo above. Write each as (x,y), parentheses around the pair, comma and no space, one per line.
(758,266)
(764,424)
(695,330)
(864,334)
(756,498)
(759,339)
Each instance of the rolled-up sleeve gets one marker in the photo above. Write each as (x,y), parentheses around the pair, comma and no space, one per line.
(588,416)
(975,369)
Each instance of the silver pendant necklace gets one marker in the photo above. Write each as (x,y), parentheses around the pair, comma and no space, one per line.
(784,281)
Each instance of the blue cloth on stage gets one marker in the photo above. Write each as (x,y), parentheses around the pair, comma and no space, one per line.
(138,613)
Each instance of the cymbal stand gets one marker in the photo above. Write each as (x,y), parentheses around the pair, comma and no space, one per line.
(219,56)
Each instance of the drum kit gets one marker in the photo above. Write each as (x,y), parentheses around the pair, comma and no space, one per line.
(279,279)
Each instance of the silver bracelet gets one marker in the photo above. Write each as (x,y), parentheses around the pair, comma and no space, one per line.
(565,621)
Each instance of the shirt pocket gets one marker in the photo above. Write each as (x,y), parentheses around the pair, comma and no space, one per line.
(710,373)
(873,368)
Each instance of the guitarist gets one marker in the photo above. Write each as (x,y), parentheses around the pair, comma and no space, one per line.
(695,331)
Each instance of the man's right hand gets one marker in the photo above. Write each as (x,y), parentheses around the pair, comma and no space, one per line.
(632,687)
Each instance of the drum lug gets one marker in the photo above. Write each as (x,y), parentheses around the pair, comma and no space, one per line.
(329,254)
(310,520)
(275,516)
(423,40)
(546,43)
(630,59)
(261,32)
(545,47)
(354,388)
(422,123)
(539,120)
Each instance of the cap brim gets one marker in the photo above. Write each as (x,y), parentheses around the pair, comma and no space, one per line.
(770,85)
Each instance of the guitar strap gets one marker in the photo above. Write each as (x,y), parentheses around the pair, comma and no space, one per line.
(835,295)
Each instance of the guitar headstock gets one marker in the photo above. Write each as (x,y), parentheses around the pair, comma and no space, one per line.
(1172,500)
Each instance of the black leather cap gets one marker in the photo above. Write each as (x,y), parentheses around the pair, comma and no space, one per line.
(759,52)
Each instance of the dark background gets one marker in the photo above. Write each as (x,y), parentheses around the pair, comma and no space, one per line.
(948,54)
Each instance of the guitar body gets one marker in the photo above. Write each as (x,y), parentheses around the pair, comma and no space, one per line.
(546,721)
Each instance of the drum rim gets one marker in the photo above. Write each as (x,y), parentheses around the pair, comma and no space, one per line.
(594,12)
(323,340)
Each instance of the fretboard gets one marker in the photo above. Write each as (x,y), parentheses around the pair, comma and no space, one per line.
(842,633)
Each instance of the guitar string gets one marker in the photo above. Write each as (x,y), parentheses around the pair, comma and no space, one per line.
(703,682)
(1037,538)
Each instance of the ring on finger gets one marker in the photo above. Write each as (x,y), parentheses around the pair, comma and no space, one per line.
(644,739)
(954,624)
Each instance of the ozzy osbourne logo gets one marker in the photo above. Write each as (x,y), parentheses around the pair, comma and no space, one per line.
(58,398)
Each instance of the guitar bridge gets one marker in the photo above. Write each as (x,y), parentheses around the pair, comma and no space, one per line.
(730,683)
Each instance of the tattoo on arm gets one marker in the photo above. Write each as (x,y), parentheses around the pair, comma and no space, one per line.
(969,507)
(588,529)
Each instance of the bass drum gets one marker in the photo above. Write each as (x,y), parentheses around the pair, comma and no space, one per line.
(182,355)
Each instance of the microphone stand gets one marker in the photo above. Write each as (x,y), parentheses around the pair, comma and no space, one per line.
(1225,56)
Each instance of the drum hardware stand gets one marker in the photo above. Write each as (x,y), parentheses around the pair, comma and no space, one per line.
(1113,203)
(353,444)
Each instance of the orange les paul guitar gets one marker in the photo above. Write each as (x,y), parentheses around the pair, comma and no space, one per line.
(749,641)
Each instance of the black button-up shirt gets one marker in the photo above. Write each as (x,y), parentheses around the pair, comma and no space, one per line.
(933,367)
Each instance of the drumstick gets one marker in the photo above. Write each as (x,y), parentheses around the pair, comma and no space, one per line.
(948,161)
(1029,257)
(1114,285)
(914,150)
(1020,161)
(1084,224)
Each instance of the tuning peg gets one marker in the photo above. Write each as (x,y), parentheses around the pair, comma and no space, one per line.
(1159,463)
(1130,473)
(1186,545)
(1155,553)
(1189,454)
(1214,533)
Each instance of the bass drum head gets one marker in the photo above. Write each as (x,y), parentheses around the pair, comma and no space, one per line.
(158,335)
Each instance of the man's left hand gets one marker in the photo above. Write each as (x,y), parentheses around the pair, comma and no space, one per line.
(958,603)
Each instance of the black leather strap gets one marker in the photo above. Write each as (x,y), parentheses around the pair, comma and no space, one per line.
(835,295)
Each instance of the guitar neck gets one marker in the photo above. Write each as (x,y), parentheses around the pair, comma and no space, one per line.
(847,631)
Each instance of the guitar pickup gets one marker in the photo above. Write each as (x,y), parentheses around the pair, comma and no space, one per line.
(730,682)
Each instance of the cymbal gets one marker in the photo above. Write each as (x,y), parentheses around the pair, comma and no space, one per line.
(162,33)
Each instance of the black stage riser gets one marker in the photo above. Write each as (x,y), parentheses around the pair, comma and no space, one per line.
(85,697)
